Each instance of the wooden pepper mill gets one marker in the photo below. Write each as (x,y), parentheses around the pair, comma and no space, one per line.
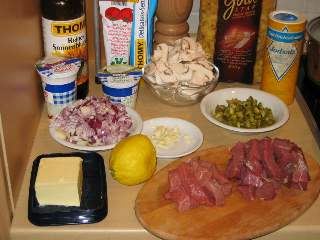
(172,16)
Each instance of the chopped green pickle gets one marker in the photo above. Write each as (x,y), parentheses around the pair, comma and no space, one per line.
(244,114)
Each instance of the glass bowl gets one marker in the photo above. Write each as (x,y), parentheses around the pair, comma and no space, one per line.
(181,93)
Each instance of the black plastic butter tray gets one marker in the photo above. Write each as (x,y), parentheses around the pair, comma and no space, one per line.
(93,207)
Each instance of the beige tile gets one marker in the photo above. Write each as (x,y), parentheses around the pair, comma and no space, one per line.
(310,15)
(196,6)
(295,5)
(312,6)
(193,22)
(193,19)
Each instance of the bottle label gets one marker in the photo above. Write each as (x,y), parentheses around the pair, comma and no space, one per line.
(283,50)
(128,31)
(67,39)
(236,39)
(117,21)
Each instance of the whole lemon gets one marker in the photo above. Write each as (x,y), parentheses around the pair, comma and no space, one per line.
(133,160)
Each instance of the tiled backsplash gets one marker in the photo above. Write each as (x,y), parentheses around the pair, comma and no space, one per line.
(310,8)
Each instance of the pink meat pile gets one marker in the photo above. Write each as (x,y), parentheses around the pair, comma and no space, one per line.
(196,183)
(262,166)
(93,121)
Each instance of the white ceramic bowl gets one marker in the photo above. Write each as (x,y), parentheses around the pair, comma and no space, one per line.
(278,107)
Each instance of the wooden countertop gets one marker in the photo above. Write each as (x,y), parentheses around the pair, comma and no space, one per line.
(121,222)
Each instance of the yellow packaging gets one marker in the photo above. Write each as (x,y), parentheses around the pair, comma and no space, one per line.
(285,36)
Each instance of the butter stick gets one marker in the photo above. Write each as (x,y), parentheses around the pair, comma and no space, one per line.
(59,181)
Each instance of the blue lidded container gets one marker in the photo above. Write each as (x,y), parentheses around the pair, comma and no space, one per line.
(120,83)
(58,77)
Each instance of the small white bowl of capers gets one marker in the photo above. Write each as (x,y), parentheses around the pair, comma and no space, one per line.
(244,110)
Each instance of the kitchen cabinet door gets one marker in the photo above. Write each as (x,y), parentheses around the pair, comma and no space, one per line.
(20,87)
(5,209)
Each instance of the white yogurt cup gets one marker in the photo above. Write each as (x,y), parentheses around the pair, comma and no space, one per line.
(59,82)
(120,83)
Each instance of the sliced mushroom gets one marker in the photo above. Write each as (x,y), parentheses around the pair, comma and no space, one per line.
(188,43)
(167,78)
(157,79)
(199,69)
(179,68)
(161,53)
(161,66)
(182,61)
(174,58)
(150,69)
(185,44)
(190,56)
(205,63)
(185,77)
(168,71)
(198,78)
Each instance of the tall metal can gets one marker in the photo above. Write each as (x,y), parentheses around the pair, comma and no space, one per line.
(285,37)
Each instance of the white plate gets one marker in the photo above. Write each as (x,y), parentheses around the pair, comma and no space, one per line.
(135,129)
(190,138)
(278,107)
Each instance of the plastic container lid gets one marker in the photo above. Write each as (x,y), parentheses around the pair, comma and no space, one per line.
(58,67)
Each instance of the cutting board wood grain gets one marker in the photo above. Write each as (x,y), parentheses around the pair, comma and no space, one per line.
(237,219)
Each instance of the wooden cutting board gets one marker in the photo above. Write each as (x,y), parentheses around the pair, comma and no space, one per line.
(237,219)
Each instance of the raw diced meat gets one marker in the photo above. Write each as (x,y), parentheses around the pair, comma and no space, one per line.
(253,157)
(282,150)
(247,191)
(197,182)
(175,181)
(300,174)
(268,160)
(177,191)
(198,195)
(266,192)
(215,191)
(283,144)
(220,178)
(265,166)
(248,178)
(181,198)
(292,161)
(202,173)
(236,161)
